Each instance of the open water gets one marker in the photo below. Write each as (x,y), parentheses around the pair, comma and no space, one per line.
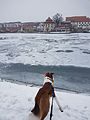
(69,78)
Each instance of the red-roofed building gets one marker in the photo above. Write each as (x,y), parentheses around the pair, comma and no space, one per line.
(64,26)
(30,26)
(49,25)
(80,21)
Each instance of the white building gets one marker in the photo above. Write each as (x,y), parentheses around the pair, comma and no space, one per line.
(80,21)
(49,25)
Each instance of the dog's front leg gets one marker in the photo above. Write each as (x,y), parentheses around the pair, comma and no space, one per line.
(60,108)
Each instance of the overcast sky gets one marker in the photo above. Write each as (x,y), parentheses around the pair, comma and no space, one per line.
(39,10)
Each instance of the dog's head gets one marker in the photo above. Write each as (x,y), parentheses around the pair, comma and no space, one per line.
(50,76)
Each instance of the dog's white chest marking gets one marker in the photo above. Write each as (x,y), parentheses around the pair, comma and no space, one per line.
(47,79)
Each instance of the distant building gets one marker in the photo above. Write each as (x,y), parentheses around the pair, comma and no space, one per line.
(49,25)
(64,26)
(30,26)
(82,22)
(1,27)
(72,24)
(10,27)
(40,27)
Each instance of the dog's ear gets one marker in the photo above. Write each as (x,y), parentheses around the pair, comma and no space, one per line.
(46,74)
(52,73)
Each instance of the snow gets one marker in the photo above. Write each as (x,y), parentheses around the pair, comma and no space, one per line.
(46,49)
(17,100)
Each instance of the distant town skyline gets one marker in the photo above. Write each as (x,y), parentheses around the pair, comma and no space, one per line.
(37,11)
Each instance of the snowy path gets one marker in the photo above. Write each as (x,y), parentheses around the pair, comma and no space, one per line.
(16,101)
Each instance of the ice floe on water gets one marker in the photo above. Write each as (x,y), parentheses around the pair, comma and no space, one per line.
(46,49)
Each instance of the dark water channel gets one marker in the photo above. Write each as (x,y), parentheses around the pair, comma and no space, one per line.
(66,77)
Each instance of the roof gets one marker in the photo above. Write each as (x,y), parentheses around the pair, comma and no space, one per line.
(49,20)
(78,19)
(30,23)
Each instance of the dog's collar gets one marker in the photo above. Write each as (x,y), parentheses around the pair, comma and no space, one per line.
(47,79)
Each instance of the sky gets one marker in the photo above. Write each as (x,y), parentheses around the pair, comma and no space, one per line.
(40,10)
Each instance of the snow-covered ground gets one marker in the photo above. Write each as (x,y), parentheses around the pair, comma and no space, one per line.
(46,49)
(16,101)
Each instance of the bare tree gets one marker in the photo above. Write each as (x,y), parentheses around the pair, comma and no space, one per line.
(57,18)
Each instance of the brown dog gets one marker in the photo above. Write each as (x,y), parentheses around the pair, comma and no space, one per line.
(42,99)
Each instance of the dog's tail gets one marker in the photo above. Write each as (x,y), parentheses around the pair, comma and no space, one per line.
(36,109)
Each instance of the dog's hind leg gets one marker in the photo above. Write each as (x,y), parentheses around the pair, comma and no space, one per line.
(36,109)
(44,107)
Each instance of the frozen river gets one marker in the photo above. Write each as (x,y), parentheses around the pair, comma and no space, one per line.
(26,57)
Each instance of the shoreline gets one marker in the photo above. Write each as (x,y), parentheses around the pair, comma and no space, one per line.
(40,85)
